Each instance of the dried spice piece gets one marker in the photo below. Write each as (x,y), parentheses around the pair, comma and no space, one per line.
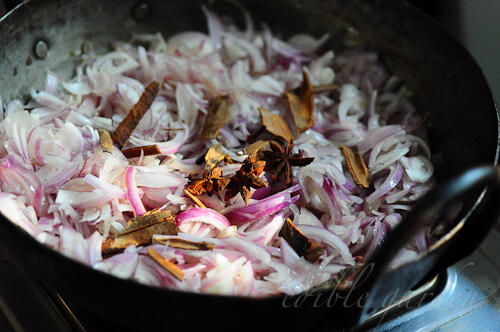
(169,266)
(134,116)
(78,184)
(174,129)
(147,150)
(218,115)
(279,160)
(302,245)
(301,101)
(350,276)
(228,232)
(214,155)
(275,124)
(141,237)
(183,244)
(356,166)
(151,212)
(257,146)
(246,177)
(105,140)
(147,220)
(228,160)
(325,88)
(212,181)
(194,198)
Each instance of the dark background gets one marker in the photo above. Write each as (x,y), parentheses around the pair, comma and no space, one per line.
(476,24)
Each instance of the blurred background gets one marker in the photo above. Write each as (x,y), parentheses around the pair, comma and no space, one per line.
(476,24)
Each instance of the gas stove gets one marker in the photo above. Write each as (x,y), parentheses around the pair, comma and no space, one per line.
(464,297)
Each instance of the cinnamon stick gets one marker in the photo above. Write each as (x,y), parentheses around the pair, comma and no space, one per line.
(134,116)
(147,150)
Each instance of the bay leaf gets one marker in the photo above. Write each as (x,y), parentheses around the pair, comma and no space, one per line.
(275,124)
(301,102)
(218,115)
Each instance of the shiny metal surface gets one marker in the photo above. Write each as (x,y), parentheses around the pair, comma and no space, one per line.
(469,301)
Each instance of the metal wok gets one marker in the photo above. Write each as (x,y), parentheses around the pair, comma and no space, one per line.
(449,88)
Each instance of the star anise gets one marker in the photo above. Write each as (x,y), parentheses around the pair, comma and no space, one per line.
(279,160)
(247,177)
(212,181)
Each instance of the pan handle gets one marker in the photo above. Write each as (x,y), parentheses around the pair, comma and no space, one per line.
(383,284)
(8,5)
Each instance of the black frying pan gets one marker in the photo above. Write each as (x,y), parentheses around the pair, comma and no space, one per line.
(450,90)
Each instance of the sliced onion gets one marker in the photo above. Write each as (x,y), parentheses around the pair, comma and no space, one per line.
(122,265)
(57,179)
(289,51)
(45,149)
(379,231)
(289,256)
(255,55)
(109,188)
(392,181)
(202,215)
(253,251)
(265,207)
(75,246)
(83,200)
(324,235)
(374,136)
(266,234)
(133,193)
(157,177)
(13,210)
(22,180)
(215,28)
(221,279)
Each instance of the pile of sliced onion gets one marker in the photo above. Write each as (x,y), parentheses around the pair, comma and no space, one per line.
(57,184)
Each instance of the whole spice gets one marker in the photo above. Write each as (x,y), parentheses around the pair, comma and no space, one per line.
(356,166)
(147,220)
(147,150)
(302,245)
(246,177)
(214,155)
(218,115)
(212,181)
(167,265)
(301,102)
(140,237)
(134,116)
(326,88)
(279,160)
(105,140)
(174,242)
(275,124)
(257,146)
(195,199)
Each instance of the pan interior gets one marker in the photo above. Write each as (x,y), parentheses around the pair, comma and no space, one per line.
(449,90)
